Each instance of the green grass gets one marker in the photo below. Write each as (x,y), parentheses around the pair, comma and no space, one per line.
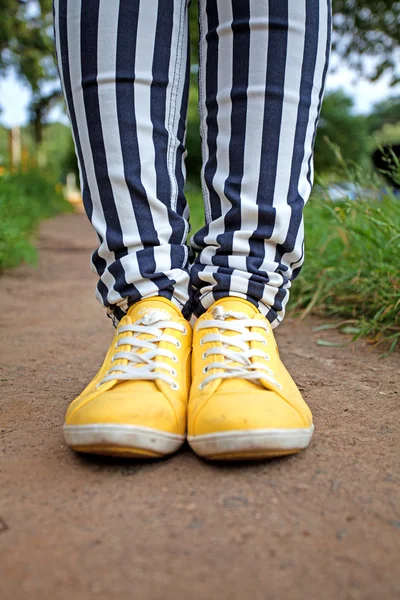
(352,266)
(25,200)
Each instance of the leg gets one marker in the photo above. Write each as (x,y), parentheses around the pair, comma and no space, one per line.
(262,70)
(124,69)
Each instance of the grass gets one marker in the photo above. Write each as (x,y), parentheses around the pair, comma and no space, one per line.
(352,266)
(351,269)
(26,198)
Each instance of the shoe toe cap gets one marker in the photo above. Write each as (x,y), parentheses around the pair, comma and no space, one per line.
(142,408)
(262,409)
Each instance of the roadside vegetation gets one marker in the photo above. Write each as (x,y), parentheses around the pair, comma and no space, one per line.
(352,269)
(26,198)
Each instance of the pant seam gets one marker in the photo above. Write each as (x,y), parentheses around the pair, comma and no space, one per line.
(172,107)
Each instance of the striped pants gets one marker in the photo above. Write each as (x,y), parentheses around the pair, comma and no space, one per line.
(124,67)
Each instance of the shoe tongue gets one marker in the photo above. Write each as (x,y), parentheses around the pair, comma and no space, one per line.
(139,309)
(237,305)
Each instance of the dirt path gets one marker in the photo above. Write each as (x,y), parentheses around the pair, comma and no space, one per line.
(321,525)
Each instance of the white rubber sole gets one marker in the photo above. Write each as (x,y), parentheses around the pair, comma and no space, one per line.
(114,439)
(255,443)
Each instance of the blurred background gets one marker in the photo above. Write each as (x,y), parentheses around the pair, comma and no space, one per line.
(352,219)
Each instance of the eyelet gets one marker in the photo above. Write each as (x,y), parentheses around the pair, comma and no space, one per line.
(201,386)
(113,358)
(266,357)
(174,373)
(205,370)
(201,342)
(174,386)
(178,344)
(204,356)
(174,359)
(184,331)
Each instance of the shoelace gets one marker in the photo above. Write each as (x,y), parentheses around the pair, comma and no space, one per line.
(246,369)
(152,323)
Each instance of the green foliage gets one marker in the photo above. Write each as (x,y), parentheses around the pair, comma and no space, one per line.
(385,112)
(26,40)
(384,121)
(27,46)
(352,265)
(3,145)
(195,199)
(55,146)
(194,31)
(342,128)
(368,28)
(25,200)
(352,255)
(355,136)
(69,163)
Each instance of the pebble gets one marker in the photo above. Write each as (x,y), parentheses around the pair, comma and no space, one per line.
(235,502)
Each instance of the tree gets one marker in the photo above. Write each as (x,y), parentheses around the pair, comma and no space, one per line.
(361,28)
(26,45)
(26,40)
(385,113)
(384,125)
(339,126)
(368,28)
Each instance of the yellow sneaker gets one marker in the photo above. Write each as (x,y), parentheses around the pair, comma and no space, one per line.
(136,405)
(243,403)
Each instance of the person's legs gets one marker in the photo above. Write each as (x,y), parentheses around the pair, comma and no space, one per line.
(124,68)
(262,71)
(125,73)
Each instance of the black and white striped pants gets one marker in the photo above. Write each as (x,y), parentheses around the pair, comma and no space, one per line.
(124,67)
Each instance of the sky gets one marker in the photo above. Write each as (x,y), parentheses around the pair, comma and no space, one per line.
(14,97)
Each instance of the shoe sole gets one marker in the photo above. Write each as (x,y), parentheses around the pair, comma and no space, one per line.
(250,445)
(131,441)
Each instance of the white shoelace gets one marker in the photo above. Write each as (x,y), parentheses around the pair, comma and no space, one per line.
(246,369)
(151,323)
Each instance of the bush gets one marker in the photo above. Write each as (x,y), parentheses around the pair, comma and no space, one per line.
(25,200)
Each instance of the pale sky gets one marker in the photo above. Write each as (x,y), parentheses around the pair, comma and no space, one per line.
(14,98)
